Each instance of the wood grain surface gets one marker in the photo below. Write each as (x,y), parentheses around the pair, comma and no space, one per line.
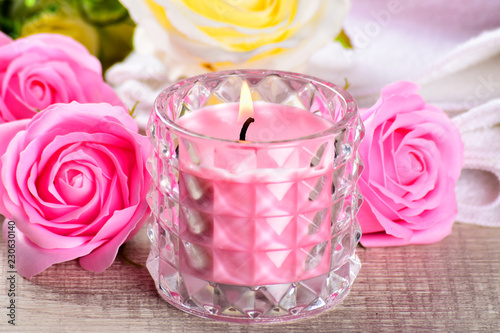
(452,286)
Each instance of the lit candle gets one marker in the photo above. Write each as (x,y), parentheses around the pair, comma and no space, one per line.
(254,215)
(254,195)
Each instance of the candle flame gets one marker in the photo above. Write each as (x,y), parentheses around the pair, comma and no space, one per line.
(246,104)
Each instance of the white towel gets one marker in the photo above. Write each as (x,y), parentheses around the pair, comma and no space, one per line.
(449,47)
(478,189)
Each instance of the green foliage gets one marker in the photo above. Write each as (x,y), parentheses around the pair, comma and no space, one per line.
(103,26)
(344,39)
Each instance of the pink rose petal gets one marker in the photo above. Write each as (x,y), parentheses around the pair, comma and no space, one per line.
(103,256)
(7,133)
(39,259)
(39,70)
(4,39)
(413,156)
(74,180)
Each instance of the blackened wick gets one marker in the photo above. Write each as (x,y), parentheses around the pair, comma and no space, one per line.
(244,128)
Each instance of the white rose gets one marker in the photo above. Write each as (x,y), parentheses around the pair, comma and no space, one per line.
(189,37)
(221,34)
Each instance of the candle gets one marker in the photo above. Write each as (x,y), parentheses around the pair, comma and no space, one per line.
(254,196)
(272,122)
(254,215)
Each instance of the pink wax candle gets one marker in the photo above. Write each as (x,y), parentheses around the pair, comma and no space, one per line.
(253,213)
(273,122)
(254,195)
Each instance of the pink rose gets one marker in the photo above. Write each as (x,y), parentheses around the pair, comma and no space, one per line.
(413,156)
(74,181)
(43,69)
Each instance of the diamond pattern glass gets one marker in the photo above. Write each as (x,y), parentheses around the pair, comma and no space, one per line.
(254,231)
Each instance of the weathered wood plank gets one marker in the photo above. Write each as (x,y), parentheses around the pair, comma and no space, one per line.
(450,286)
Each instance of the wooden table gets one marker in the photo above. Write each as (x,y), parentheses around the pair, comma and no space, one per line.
(452,286)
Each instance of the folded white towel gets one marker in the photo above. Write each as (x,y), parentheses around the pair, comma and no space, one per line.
(478,189)
(452,49)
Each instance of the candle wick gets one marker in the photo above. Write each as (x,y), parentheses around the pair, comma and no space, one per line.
(244,129)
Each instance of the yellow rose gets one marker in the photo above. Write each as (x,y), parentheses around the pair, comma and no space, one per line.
(205,35)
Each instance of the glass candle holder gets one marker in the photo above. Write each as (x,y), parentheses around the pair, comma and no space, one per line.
(260,228)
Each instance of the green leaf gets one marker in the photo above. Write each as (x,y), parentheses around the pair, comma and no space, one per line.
(29,3)
(101,12)
(344,39)
(132,111)
(347,84)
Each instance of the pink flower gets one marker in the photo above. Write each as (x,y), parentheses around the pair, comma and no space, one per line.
(43,69)
(413,156)
(74,180)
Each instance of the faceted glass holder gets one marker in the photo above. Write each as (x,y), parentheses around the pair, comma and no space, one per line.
(254,231)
